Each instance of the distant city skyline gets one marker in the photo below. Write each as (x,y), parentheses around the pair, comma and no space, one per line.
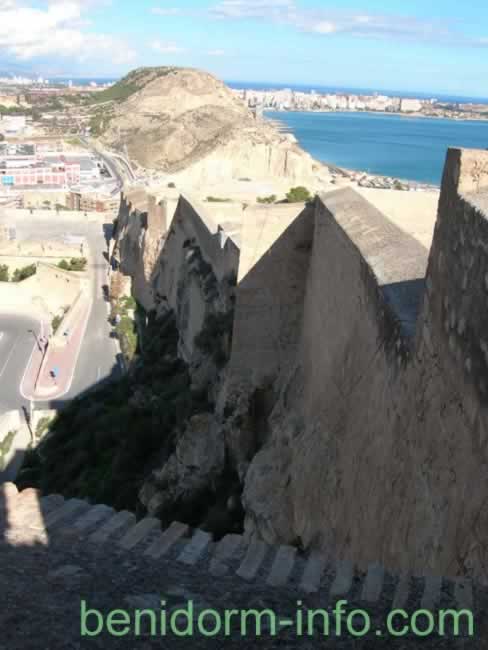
(292,42)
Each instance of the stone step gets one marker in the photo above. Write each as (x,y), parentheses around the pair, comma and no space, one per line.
(373,585)
(138,532)
(171,535)
(195,548)
(119,522)
(282,566)
(94,516)
(432,593)
(463,593)
(226,549)
(402,591)
(51,502)
(256,552)
(29,494)
(65,511)
(312,574)
(343,580)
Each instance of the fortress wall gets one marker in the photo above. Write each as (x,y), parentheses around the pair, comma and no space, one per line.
(457,320)
(378,442)
(178,281)
(276,245)
(220,251)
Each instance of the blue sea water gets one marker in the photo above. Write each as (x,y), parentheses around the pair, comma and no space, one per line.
(388,145)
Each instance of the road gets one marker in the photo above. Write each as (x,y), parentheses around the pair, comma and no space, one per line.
(17,340)
(108,158)
(99,357)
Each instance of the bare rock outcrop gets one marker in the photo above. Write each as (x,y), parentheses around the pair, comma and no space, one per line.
(190,472)
(186,122)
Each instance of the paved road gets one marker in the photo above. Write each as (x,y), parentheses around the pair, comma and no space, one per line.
(99,353)
(17,341)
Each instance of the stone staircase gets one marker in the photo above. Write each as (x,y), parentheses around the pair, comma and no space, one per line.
(29,518)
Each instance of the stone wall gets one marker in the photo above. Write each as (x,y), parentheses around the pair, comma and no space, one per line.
(354,402)
(377,448)
(178,258)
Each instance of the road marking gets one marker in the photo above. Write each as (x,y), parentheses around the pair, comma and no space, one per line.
(9,356)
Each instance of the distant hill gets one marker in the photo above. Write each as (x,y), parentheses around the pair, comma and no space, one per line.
(177,119)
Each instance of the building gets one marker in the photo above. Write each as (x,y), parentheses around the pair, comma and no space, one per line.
(93,201)
(13,124)
(62,174)
(410,105)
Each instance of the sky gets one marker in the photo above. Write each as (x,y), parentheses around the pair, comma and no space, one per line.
(430,47)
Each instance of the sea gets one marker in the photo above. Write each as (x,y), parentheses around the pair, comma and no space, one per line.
(407,148)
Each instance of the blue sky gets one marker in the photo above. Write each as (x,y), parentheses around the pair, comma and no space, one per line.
(416,46)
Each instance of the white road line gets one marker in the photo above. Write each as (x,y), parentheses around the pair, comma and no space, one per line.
(9,356)
(30,398)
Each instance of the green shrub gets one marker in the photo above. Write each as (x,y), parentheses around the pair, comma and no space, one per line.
(298,194)
(4,273)
(216,199)
(267,199)
(24,273)
(63,264)
(56,322)
(5,446)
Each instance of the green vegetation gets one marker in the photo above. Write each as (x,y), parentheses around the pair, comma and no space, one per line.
(215,337)
(24,273)
(267,199)
(15,110)
(125,327)
(42,427)
(130,84)
(4,273)
(5,447)
(103,444)
(298,194)
(216,199)
(56,322)
(75,264)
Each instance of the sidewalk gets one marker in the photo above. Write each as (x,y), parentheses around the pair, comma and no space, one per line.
(39,383)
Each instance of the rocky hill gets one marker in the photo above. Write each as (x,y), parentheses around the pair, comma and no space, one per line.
(175,119)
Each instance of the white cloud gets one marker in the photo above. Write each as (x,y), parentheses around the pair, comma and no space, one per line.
(59,29)
(329,22)
(252,8)
(166,48)
(169,11)
(216,53)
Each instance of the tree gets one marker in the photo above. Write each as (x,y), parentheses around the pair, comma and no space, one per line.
(298,194)
(267,199)
(78,264)
(24,273)
(4,275)
(64,265)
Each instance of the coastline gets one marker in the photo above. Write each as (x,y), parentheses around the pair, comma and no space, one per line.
(362,177)
(388,113)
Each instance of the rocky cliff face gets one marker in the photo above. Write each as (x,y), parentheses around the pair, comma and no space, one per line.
(353,392)
(187,123)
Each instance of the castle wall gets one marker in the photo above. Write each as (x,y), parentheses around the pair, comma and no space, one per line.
(276,246)
(378,445)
